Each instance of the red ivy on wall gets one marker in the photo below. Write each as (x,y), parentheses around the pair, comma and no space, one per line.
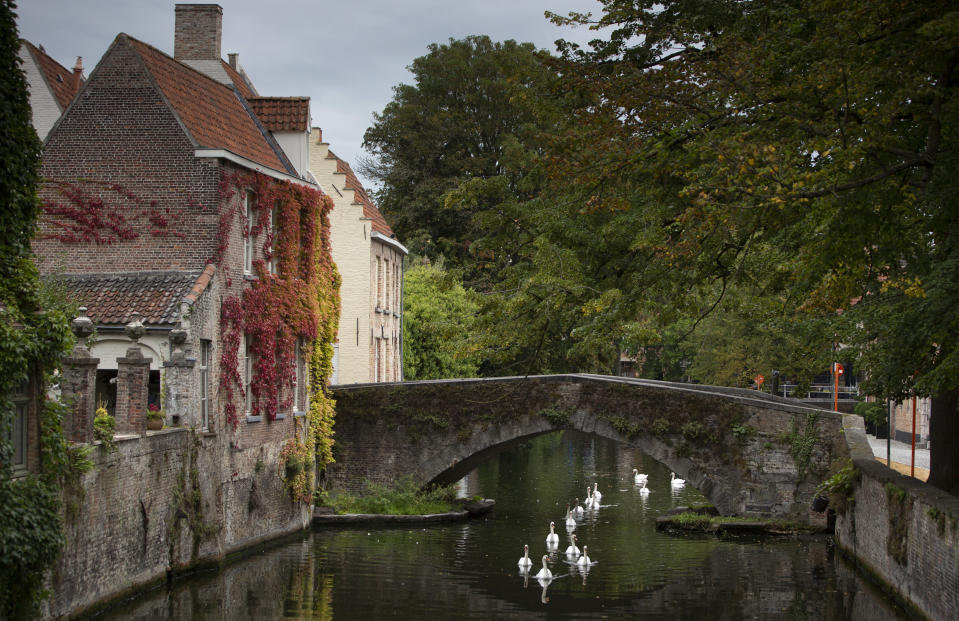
(300,302)
(102,213)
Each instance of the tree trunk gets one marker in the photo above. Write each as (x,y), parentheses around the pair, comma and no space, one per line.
(944,436)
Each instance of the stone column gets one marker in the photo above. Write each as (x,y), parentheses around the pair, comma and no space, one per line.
(133,379)
(179,403)
(78,383)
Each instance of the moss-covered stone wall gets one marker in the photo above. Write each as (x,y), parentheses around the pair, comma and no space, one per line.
(749,453)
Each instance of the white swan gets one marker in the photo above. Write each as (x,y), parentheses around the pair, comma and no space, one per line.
(570,520)
(578,509)
(572,550)
(676,482)
(639,478)
(584,559)
(597,495)
(545,572)
(643,490)
(525,562)
(552,538)
(590,502)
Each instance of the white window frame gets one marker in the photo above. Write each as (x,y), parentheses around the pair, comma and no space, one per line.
(274,264)
(248,241)
(205,350)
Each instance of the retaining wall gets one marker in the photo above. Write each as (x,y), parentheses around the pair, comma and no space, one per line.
(902,531)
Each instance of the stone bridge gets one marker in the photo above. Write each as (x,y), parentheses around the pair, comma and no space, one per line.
(749,453)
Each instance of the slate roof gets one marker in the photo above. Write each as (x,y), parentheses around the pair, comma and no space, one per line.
(282,114)
(213,113)
(112,298)
(377,221)
(58,78)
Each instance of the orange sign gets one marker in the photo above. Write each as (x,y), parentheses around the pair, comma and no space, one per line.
(759,380)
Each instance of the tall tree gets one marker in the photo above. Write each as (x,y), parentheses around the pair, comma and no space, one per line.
(818,135)
(468,99)
(437,314)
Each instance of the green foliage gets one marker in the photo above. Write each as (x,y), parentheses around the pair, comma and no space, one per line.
(438,314)
(405,498)
(693,430)
(296,463)
(872,412)
(802,442)
(104,428)
(469,99)
(32,338)
(840,488)
(742,432)
(558,417)
(661,426)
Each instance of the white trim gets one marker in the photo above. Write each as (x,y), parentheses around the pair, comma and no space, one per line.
(242,161)
(390,241)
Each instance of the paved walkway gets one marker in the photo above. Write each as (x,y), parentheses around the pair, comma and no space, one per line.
(900,451)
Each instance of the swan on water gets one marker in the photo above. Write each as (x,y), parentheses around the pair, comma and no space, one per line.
(590,502)
(525,561)
(552,538)
(597,495)
(639,478)
(570,520)
(584,559)
(676,482)
(643,490)
(545,572)
(572,550)
(578,509)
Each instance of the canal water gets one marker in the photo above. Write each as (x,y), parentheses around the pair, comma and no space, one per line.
(469,570)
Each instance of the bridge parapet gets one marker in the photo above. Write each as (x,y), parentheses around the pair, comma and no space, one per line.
(750,453)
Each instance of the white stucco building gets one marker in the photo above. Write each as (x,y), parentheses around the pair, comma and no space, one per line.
(51,85)
(370,261)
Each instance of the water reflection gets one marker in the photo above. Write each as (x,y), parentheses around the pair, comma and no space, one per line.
(469,570)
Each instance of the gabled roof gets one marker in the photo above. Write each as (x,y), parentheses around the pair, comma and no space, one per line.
(213,114)
(377,221)
(112,298)
(61,80)
(282,114)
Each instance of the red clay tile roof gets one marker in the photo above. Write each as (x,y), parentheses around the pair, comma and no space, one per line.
(112,298)
(377,221)
(59,78)
(282,114)
(212,113)
(239,81)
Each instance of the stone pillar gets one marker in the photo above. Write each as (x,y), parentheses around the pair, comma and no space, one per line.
(179,403)
(78,384)
(133,379)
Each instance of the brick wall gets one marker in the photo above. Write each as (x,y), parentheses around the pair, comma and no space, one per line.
(140,147)
(902,531)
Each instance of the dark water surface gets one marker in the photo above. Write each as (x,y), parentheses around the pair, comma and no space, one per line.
(469,570)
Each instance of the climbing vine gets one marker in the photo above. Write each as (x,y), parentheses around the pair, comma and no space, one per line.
(90,211)
(298,304)
(34,334)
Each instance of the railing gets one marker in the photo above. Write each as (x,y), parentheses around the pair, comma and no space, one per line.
(819,391)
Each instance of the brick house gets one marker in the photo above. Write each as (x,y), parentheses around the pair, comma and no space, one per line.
(173,190)
(51,85)
(370,258)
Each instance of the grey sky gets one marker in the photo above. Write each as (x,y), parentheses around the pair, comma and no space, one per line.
(345,55)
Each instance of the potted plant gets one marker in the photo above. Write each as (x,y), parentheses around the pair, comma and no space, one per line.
(155,417)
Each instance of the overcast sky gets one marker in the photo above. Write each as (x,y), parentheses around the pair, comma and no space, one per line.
(345,55)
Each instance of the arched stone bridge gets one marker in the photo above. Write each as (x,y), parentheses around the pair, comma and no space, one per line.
(749,453)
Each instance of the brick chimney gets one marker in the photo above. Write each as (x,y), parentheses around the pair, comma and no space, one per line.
(197,32)
(78,74)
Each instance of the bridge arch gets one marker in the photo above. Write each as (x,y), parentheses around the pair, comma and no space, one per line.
(749,453)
